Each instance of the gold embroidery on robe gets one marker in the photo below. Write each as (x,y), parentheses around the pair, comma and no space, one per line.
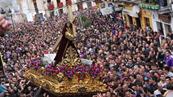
(71,57)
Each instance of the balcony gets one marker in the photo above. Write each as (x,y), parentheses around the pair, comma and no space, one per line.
(164,10)
(165,6)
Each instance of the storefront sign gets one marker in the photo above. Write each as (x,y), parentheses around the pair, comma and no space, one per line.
(165,18)
(149,6)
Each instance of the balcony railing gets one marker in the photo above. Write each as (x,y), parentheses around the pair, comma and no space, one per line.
(165,9)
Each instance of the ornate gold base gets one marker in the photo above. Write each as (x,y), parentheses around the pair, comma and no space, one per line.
(62,85)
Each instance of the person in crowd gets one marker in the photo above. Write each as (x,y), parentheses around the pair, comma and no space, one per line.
(4,24)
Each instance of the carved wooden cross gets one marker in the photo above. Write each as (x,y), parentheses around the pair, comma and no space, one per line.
(69,11)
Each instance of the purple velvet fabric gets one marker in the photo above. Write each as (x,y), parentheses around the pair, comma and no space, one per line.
(169,60)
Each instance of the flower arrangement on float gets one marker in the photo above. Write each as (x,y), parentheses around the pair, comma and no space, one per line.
(65,70)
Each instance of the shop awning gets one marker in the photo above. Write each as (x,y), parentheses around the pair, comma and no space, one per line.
(134,12)
(130,13)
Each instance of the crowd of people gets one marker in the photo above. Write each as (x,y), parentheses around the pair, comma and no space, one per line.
(19,47)
(133,60)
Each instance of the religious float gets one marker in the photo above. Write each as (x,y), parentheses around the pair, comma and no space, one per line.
(66,76)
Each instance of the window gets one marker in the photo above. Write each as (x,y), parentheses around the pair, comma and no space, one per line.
(130,20)
(168,28)
(163,3)
(146,1)
(48,1)
(147,22)
(2,11)
(58,1)
(160,28)
(151,1)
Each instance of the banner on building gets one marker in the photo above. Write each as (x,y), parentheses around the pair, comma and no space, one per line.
(107,10)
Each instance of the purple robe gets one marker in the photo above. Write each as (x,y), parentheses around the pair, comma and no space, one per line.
(64,44)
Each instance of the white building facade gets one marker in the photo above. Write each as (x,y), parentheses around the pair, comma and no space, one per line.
(162,23)
(57,7)
(163,19)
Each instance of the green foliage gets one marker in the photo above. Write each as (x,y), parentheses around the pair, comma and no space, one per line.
(86,22)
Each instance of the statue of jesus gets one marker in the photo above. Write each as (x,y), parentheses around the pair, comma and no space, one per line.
(66,41)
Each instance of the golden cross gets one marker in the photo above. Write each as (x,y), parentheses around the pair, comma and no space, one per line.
(71,17)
